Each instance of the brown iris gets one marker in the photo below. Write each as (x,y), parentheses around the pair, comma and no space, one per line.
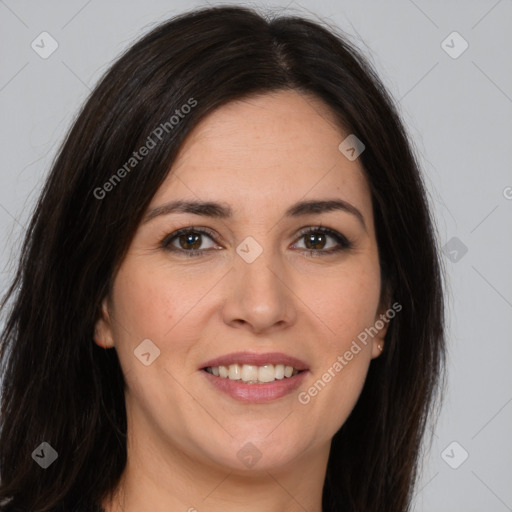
(312,240)
(190,238)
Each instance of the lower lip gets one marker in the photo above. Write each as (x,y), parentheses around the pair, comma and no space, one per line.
(256,393)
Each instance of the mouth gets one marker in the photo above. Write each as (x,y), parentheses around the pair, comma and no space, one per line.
(257,378)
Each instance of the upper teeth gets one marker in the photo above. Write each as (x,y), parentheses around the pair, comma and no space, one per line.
(253,374)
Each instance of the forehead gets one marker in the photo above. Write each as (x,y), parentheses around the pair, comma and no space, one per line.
(264,151)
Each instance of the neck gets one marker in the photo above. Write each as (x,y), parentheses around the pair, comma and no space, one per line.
(163,479)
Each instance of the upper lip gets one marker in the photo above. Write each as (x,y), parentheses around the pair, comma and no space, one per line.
(256,359)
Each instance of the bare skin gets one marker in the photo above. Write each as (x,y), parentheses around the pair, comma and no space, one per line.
(259,156)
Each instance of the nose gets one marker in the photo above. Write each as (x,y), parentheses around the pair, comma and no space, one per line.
(260,295)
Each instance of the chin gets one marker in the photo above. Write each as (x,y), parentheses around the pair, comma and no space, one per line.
(264,453)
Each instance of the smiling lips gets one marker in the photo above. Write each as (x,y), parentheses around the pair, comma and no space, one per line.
(251,367)
(253,377)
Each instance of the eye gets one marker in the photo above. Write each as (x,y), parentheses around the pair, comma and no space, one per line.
(317,244)
(188,241)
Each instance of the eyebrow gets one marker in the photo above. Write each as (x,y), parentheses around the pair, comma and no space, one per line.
(224,211)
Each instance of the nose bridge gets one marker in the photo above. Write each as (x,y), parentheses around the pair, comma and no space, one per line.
(257,267)
(258,295)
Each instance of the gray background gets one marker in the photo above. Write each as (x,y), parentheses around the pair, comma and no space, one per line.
(459,114)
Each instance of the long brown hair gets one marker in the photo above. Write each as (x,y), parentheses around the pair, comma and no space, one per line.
(61,388)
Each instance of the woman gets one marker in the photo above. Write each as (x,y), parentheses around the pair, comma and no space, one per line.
(229,294)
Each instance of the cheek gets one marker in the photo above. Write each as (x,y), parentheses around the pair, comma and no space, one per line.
(345,303)
(166,307)
(150,301)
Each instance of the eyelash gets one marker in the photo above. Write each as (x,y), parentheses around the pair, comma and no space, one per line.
(343,241)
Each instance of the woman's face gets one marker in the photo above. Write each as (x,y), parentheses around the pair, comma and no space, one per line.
(251,287)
